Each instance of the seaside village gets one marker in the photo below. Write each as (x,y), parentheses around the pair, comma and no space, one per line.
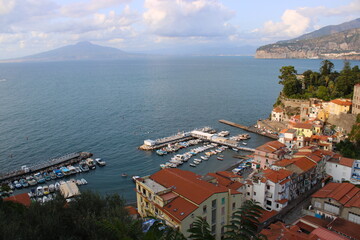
(306,190)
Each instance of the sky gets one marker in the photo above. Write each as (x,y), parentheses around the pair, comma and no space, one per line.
(174,26)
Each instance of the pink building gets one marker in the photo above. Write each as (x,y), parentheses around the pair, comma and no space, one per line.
(265,155)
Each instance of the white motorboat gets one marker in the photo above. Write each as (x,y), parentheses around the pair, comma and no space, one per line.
(51,188)
(192,165)
(39,191)
(100,162)
(84,181)
(46,190)
(57,186)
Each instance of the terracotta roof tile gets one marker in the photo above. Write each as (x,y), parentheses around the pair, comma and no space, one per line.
(131,210)
(179,208)
(345,227)
(303,125)
(325,234)
(271,146)
(314,221)
(278,110)
(278,231)
(304,163)
(187,184)
(342,102)
(345,193)
(283,163)
(276,176)
(227,174)
(22,198)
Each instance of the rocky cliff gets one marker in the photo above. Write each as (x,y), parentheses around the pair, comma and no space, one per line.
(342,45)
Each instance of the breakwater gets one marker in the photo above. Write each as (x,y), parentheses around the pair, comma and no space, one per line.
(250,129)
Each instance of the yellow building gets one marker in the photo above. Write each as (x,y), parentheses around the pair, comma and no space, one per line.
(178,197)
(323,115)
(338,106)
(303,129)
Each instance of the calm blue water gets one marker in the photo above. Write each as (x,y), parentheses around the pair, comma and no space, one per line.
(109,108)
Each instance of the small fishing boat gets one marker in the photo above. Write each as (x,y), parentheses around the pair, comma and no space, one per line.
(220,158)
(51,188)
(204,158)
(79,182)
(244,143)
(84,181)
(23,183)
(46,176)
(46,190)
(192,165)
(90,163)
(31,180)
(100,162)
(57,186)
(124,175)
(83,166)
(17,184)
(136,177)
(235,149)
(39,191)
(52,175)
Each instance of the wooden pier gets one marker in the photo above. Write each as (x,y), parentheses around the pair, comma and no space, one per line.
(250,129)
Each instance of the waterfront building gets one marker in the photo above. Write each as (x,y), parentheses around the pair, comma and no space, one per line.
(340,168)
(268,153)
(337,200)
(277,114)
(270,188)
(355,172)
(288,137)
(356,100)
(303,129)
(179,196)
(338,106)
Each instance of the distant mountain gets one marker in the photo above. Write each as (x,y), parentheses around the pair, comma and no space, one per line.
(331,29)
(78,52)
(331,42)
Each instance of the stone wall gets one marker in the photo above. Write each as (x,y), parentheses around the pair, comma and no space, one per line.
(343,121)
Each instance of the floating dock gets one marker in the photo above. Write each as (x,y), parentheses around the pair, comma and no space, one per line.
(48,165)
(250,129)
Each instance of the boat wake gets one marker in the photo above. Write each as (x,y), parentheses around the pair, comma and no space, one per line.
(3,80)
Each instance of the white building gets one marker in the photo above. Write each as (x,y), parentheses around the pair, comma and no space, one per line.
(270,188)
(201,135)
(277,115)
(340,168)
(355,172)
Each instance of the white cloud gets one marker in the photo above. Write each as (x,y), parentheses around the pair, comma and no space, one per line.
(188,18)
(80,9)
(295,22)
(6,6)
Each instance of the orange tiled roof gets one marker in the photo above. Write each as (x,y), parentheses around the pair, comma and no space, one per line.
(279,231)
(345,193)
(278,110)
(303,125)
(271,146)
(304,164)
(266,215)
(131,210)
(282,201)
(227,174)
(324,234)
(284,130)
(22,198)
(283,163)
(314,221)
(179,208)
(341,102)
(345,227)
(276,176)
(187,184)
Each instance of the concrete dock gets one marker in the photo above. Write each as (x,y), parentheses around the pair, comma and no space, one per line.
(250,129)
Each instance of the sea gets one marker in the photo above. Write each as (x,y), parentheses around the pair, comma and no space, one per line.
(109,108)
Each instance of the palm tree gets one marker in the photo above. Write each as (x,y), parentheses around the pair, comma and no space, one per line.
(244,223)
(200,230)
(160,231)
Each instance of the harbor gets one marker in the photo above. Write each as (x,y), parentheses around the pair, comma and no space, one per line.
(250,129)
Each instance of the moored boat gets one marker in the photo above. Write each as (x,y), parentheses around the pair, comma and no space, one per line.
(90,163)
(192,165)
(100,162)
(220,158)
(83,166)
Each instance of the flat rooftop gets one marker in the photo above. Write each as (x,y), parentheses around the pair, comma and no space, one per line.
(153,185)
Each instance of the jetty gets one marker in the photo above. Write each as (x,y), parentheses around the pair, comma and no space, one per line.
(45,166)
(250,129)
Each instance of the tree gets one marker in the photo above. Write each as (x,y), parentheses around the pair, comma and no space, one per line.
(200,230)
(244,223)
(292,85)
(326,67)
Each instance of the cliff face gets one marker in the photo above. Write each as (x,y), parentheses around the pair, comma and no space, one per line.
(343,45)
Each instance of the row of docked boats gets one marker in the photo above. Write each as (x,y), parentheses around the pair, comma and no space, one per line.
(170,148)
(179,159)
(45,193)
(240,137)
(42,177)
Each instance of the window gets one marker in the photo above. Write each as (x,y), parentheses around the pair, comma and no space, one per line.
(277,205)
(331,208)
(233,206)
(204,209)
(268,202)
(144,191)
(213,229)
(317,204)
(222,201)
(254,193)
(267,187)
(353,217)
(223,211)
(213,203)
